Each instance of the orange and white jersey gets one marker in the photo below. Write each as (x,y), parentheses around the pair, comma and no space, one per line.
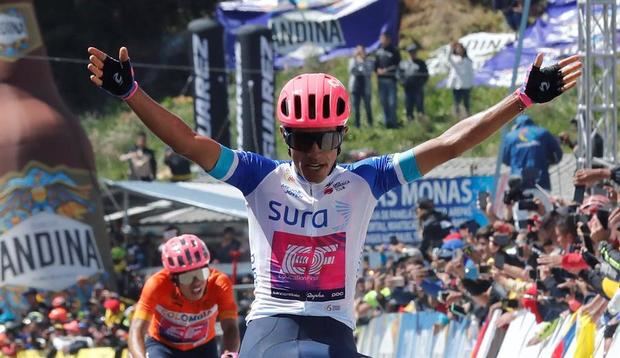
(178,322)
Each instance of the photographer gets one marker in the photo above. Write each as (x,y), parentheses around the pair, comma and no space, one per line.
(434,225)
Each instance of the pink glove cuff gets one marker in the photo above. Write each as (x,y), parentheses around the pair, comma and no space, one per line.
(132,92)
(525,99)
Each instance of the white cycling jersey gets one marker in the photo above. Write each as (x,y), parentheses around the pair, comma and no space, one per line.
(306,239)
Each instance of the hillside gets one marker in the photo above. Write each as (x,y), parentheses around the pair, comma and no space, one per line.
(431,22)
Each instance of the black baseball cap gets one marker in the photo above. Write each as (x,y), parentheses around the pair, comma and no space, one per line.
(426,204)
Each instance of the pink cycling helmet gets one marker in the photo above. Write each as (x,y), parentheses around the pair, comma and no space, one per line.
(313,100)
(185,253)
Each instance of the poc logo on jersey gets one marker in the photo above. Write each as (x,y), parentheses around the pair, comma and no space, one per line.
(302,260)
(296,217)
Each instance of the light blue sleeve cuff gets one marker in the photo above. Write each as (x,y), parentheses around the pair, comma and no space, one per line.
(408,166)
(221,170)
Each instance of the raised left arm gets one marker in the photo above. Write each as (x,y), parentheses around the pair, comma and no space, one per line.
(542,86)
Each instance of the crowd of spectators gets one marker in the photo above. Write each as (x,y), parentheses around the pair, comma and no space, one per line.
(539,253)
(91,313)
(85,315)
(142,163)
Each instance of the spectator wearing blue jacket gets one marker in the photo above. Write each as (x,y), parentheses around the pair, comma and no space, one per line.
(528,146)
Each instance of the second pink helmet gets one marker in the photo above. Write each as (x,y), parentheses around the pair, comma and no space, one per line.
(313,100)
(185,253)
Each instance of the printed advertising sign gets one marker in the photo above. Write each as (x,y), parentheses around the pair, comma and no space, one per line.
(51,219)
(395,211)
(46,250)
(318,29)
(19,33)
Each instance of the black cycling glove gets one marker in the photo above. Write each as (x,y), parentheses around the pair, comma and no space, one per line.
(542,85)
(118,78)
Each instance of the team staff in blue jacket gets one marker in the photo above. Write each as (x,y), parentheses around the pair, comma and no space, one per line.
(533,147)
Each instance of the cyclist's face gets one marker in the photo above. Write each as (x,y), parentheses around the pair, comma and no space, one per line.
(314,164)
(194,290)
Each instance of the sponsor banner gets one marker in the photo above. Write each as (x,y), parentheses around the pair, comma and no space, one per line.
(48,251)
(49,233)
(210,83)
(255,77)
(19,31)
(395,211)
(481,46)
(323,29)
(308,268)
(555,34)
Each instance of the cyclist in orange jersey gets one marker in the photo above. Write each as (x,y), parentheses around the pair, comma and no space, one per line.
(179,305)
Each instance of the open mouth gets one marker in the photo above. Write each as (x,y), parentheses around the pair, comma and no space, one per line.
(314,166)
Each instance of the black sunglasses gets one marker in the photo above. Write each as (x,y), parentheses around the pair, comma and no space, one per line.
(303,141)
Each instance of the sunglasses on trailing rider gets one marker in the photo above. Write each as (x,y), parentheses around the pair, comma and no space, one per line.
(202,274)
(304,141)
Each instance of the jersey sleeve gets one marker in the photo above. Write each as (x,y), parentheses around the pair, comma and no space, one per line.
(385,172)
(243,170)
(225,300)
(148,299)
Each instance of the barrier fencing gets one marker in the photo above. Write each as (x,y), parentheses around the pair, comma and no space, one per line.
(422,334)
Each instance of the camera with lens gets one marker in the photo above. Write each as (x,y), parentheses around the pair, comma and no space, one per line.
(515,194)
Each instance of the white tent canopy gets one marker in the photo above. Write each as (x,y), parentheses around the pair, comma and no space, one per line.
(220,198)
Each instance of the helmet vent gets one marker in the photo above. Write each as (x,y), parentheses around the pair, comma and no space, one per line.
(340,106)
(326,106)
(297,106)
(188,256)
(312,106)
(284,107)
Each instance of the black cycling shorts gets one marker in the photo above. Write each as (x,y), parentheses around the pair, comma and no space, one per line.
(156,349)
(293,336)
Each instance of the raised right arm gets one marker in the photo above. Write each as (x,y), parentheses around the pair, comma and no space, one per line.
(115,77)
(168,127)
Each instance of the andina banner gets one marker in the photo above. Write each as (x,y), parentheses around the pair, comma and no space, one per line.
(318,29)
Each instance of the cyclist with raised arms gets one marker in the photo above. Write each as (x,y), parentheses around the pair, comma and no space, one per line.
(179,305)
(308,216)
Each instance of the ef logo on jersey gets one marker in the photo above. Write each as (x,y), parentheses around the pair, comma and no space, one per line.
(301,260)
(308,268)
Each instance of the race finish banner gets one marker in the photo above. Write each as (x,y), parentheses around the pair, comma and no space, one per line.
(395,211)
(323,29)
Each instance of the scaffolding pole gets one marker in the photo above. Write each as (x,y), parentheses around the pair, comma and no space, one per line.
(596,108)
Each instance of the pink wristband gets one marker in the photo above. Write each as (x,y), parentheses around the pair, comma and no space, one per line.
(132,92)
(525,99)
